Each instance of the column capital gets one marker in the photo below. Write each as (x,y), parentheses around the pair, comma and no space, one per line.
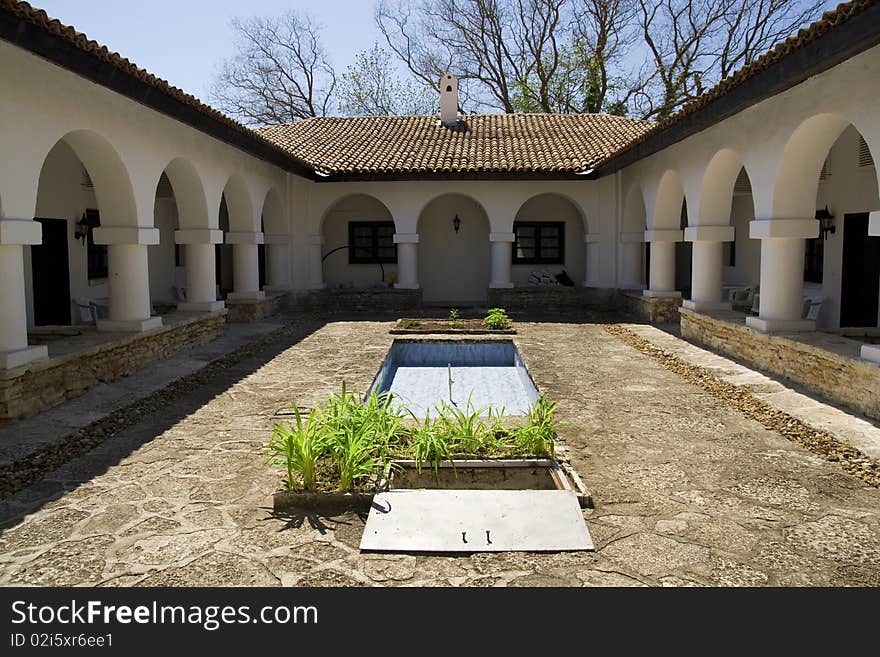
(763,229)
(276,238)
(406,238)
(664,235)
(316,240)
(592,238)
(709,234)
(244,237)
(20,232)
(502,237)
(874,223)
(198,236)
(126,235)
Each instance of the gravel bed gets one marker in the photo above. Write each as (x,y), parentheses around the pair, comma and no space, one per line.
(817,441)
(34,467)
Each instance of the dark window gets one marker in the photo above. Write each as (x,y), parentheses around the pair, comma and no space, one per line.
(539,242)
(97,253)
(813,260)
(371,242)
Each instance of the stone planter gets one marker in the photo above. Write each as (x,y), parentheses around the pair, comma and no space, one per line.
(462,474)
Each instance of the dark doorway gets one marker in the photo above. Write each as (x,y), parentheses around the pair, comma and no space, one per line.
(51,275)
(860,279)
(261,264)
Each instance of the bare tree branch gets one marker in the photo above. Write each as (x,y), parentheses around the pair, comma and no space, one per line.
(278,74)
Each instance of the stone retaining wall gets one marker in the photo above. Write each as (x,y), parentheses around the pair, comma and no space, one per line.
(354,299)
(850,381)
(44,384)
(653,310)
(247,310)
(550,299)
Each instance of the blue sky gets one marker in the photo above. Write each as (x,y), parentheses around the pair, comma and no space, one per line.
(183,41)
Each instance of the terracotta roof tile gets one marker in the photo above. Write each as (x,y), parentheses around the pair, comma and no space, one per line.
(495,143)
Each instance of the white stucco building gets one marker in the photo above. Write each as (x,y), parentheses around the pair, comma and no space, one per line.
(121,196)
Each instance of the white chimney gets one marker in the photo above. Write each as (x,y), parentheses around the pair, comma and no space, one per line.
(448,99)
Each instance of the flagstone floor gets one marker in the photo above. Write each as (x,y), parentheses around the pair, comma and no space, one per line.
(688,491)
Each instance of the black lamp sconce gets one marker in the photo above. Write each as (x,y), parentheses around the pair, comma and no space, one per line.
(826,222)
(456,224)
(84,226)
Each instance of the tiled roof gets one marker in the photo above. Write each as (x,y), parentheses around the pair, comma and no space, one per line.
(501,144)
(830,19)
(39,19)
(484,143)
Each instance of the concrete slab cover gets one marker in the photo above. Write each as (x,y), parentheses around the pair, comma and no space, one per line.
(475,521)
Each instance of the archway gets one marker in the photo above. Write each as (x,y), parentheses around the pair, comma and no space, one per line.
(82,180)
(842,264)
(238,259)
(549,235)
(359,250)
(824,272)
(167,259)
(454,257)
(664,256)
(632,241)
(274,254)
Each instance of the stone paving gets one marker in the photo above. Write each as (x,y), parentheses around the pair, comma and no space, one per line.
(687,490)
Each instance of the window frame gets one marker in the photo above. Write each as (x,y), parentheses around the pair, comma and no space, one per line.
(354,259)
(559,259)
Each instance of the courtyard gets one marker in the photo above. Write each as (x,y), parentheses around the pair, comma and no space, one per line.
(687,489)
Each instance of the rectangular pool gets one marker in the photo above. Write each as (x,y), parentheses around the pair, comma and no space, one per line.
(491,372)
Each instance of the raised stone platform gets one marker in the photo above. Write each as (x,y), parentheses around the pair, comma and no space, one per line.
(653,310)
(556,299)
(69,373)
(253,310)
(827,364)
(354,299)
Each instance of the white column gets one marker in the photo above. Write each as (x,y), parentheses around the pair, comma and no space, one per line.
(706,270)
(632,261)
(128,278)
(871,352)
(502,255)
(662,278)
(782,273)
(14,349)
(316,263)
(245,266)
(407,260)
(277,262)
(201,272)
(592,255)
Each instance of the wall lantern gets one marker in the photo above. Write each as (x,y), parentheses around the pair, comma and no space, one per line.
(84,226)
(456,223)
(826,222)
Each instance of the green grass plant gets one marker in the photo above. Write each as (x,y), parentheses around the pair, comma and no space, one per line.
(298,446)
(429,444)
(360,438)
(496,319)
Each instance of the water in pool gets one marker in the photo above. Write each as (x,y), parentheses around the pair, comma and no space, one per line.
(491,373)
